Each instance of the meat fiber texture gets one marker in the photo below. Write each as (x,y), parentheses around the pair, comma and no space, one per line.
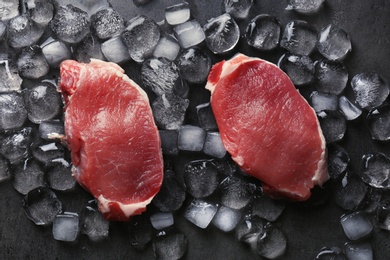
(268,128)
(112,136)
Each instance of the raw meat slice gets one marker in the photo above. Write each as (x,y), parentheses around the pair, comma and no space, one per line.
(267,126)
(114,142)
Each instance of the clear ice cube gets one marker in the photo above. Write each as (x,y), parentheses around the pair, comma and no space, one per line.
(200,213)
(338,160)
(235,192)
(70,24)
(141,37)
(194,65)
(55,52)
(169,141)
(28,177)
(304,6)
(161,220)
(107,23)
(226,219)
(299,37)
(66,227)
(206,117)
(213,145)
(222,34)
(32,63)
(267,208)
(189,34)
(169,111)
(167,47)
(331,77)
(263,32)
(9,9)
(191,138)
(378,120)
(59,177)
(356,225)
(370,90)
(238,9)
(170,244)
(249,229)
(358,250)
(92,222)
(115,50)
(321,101)
(41,206)
(376,170)
(200,178)
(88,48)
(272,244)
(178,13)
(13,111)
(348,109)
(23,31)
(53,129)
(299,68)
(333,125)
(334,43)
(15,145)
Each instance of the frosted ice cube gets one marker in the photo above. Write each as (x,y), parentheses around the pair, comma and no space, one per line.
(9,77)
(28,177)
(222,34)
(169,111)
(263,32)
(194,65)
(107,23)
(178,13)
(167,47)
(201,178)
(348,109)
(89,6)
(331,77)
(162,220)
(32,63)
(321,101)
(200,213)
(358,250)
(92,222)
(299,68)
(239,9)
(53,129)
(235,192)
(9,9)
(206,117)
(66,227)
(191,138)
(226,219)
(40,11)
(60,178)
(189,33)
(55,52)
(376,170)
(13,111)
(213,145)
(15,145)
(299,37)
(305,6)
(115,50)
(356,225)
(23,32)
(334,43)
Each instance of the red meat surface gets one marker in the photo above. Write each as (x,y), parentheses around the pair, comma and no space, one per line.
(114,142)
(268,128)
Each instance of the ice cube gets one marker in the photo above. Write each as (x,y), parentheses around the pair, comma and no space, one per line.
(222,34)
(107,23)
(191,138)
(376,170)
(333,125)
(88,48)
(299,37)
(47,152)
(43,102)
(28,177)
(213,145)
(92,222)
(40,11)
(169,111)
(378,120)
(15,145)
(349,191)
(162,77)
(333,43)
(9,77)
(41,205)
(32,63)
(60,178)
(89,6)
(178,13)
(140,231)
(358,250)
(115,50)
(4,169)
(194,65)
(338,160)
(167,47)
(226,219)
(141,36)
(249,229)
(162,220)
(235,192)
(348,109)
(370,90)
(70,24)
(267,208)
(321,101)
(238,9)
(333,253)
(263,32)
(141,2)
(170,244)
(3,30)
(23,32)
(169,141)
(9,9)
(55,52)
(382,216)
(299,68)
(13,111)
(66,227)
(200,213)
(305,6)
(53,129)
(272,244)
(356,225)
(206,117)
(201,178)
(189,33)
(172,193)
(226,167)
(331,77)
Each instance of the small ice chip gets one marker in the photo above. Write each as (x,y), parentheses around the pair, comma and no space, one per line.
(213,145)
(66,227)
(356,225)
(161,220)
(263,32)
(200,213)
(177,14)
(191,138)
(334,43)
(115,50)
(189,33)
(226,219)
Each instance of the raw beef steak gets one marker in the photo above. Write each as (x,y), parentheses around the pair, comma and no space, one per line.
(114,142)
(268,128)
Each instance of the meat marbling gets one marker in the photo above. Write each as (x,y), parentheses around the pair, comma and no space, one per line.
(112,136)
(268,128)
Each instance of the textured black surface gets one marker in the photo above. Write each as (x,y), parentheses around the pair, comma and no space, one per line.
(307,229)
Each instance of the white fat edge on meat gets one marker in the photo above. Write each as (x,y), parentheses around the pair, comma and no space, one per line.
(127,209)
